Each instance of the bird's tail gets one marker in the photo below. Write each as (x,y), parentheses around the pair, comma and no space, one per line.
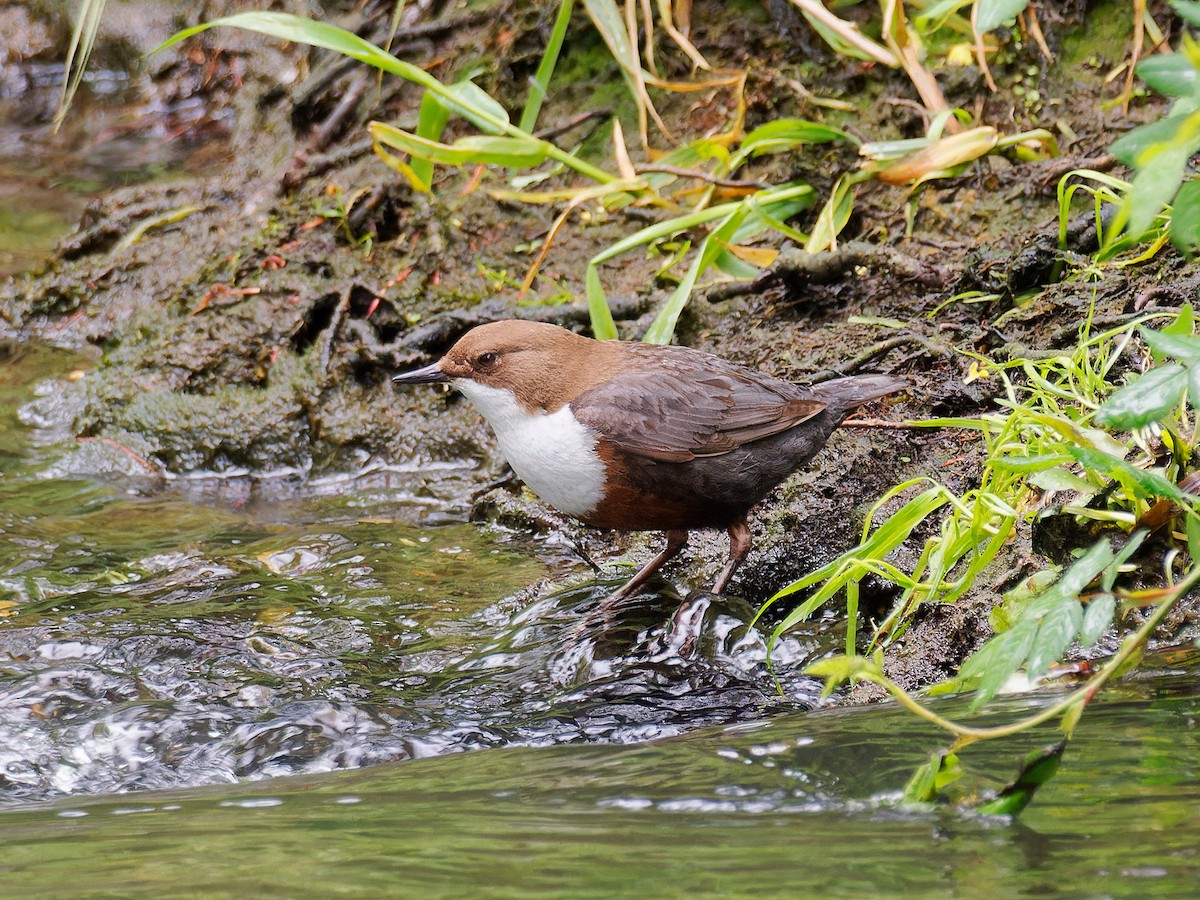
(847,394)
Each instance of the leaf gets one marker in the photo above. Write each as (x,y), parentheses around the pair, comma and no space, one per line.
(1184,324)
(603,326)
(837,670)
(996,661)
(1193,538)
(1172,74)
(733,229)
(476,148)
(541,78)
(1014,601)
(1185,218)
(781,135)
(833,216)
(1188,10)
(478,107)
(940,156)
(1142,483)
(927,782)
(431,123)
(662,328)
(1160,153)
(1055,633)
(1165,343)
(1154,186)
(1060,479)
(1113,569)
(1150,399)
(1038,462)
(1129,147)
(991,14)
(1037,769)
(317,34)
(1037,638)
(1097,617)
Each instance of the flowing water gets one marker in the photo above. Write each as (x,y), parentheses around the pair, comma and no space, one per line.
(231,688)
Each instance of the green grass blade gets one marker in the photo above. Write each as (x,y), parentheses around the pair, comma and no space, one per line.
(465,97)
(603,326)
(545,69)
(83,39)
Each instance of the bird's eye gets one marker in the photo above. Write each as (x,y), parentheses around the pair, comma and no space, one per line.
(486,360)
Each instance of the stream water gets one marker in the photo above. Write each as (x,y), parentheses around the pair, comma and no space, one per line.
(349,692)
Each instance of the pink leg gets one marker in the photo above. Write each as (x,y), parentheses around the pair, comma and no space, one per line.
(739,546)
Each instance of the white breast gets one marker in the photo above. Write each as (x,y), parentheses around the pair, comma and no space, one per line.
(553,453)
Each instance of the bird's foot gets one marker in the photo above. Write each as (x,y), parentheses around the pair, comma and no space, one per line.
(682,638)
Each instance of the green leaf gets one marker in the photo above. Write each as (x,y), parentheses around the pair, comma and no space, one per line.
(1172,74)
(1038,462)
(1084,570)
(994,663)
(834,215)
(764,216)
(1038,768)
(1055,633)
(1044,627)
(541,79)
(474,149)
(1060,479)
(1130,148)
(774,202)
(1153,187)
(663,327)
(927,782)
(1184,324)
(838,670)
(1164,343)
(782,135)
(603,326)
(431,123)
(465,98)
(317,34)
(1185,218)
(1113,569)
(1188,10)
(1097,617)
(991,14)
(1150,399)
(1193,538)
(478,107)
(1141,483)
(1008,612)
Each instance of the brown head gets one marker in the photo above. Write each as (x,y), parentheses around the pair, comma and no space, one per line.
(544,365)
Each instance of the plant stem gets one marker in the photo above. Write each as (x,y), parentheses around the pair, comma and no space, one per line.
(1081,695)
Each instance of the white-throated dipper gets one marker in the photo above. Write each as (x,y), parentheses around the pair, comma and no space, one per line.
(640,437)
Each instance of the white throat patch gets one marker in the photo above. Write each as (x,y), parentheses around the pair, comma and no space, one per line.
(553,453)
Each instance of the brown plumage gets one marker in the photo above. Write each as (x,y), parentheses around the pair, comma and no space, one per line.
(677,438)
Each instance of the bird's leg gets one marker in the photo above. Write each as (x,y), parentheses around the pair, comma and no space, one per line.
(739,546)
(676,541)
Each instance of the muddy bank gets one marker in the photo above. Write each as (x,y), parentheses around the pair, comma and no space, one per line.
(246,313)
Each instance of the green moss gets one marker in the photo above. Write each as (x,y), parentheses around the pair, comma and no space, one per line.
(230,429)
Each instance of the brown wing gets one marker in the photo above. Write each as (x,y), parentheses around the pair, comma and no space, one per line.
(665,412)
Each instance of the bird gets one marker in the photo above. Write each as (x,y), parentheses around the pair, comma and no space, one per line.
(643,437)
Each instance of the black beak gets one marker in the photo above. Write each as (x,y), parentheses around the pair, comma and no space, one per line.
(431,374)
